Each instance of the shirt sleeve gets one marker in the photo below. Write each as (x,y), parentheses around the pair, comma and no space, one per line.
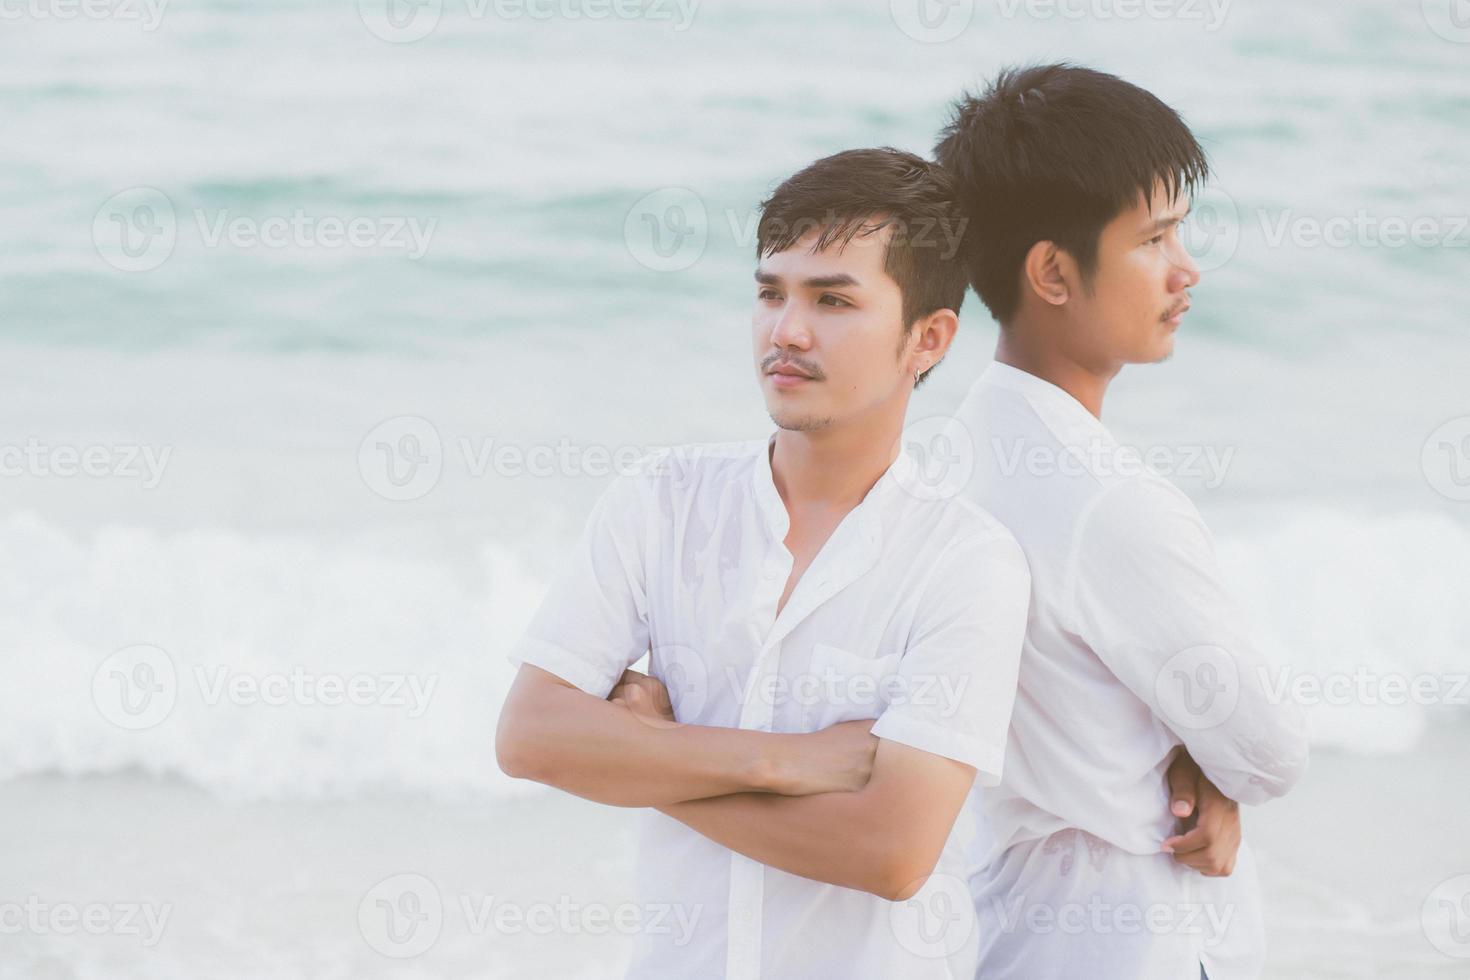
(957,677)
(1147,596)
(593,623)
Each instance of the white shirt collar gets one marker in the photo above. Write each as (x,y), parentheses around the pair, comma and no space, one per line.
(1055,404)
(899,475)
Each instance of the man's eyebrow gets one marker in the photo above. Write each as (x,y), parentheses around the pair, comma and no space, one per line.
(814,282)
(1165,222)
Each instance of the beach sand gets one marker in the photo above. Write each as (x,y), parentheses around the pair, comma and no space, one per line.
(535,886)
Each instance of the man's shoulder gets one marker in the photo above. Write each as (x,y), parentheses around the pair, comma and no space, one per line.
(688,465)
(961,526)
(1145,520)
(1057,466)
(1139,500)
(961,516)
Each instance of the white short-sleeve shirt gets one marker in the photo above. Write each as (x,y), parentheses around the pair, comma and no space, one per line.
(1133,648)
(912,613)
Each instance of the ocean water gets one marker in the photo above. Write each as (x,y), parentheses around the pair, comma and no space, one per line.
(322,463)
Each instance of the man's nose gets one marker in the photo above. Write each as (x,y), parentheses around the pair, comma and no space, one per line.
(1185,273)
(790,328)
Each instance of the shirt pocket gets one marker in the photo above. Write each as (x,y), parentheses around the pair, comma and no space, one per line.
(846,686)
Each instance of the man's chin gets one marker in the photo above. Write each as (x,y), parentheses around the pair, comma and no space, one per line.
(800,422)
(1159,352)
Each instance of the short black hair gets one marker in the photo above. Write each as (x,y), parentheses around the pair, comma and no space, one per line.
(861,191)
(1054,153)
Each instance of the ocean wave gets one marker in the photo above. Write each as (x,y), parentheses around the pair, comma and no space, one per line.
(256,668)
(251,646)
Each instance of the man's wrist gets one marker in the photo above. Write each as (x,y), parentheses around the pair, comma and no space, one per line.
(773,769)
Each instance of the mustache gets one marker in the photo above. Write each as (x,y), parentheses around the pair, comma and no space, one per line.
(771,360)
(1177,308)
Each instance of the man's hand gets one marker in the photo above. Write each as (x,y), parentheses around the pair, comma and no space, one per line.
(834,760)
(837,759)
(645,696)
(1209,821)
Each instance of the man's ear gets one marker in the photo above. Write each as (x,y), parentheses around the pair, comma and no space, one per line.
(1044,273)
(931,337)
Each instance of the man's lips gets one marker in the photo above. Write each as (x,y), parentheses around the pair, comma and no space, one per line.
(1176,314)
(788,377)
(790,372)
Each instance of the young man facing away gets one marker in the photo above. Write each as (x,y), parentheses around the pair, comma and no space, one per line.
(790,591)
(1075,183)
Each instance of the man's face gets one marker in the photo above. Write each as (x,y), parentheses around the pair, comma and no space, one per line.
(828,333)
(1139,287)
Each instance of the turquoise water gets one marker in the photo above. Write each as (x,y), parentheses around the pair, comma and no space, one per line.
(528,141)
(554,246)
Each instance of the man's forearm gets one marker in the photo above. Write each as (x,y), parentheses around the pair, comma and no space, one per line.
(556,734)
(839,838)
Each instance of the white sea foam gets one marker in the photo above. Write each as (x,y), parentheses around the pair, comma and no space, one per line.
(250,631)
(1332,594)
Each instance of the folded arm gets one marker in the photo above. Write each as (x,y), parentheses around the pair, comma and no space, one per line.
(555,733)
(885,838)
(1150,598)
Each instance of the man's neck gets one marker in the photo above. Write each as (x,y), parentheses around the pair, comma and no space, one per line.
(833,467)
(1020,349)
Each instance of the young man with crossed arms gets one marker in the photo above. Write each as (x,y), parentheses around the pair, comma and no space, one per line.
(1076,183)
